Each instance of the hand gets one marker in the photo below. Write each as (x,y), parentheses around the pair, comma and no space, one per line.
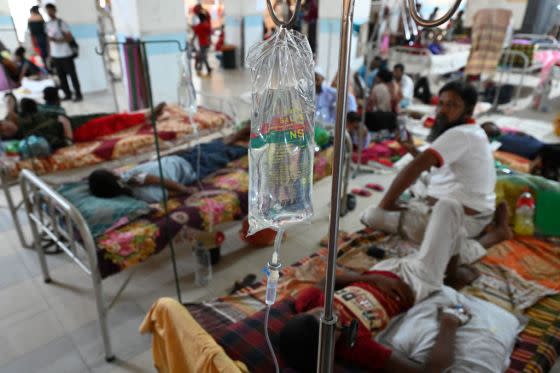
(456,315)
(407,143)
(395,288)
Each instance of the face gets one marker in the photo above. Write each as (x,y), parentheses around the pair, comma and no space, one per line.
(397,73)
(375,64)
(51,12)
(8,129)
(451,108)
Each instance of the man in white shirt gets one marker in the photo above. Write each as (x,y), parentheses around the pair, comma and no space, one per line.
(61,53)
(326,99)
(459,200)
(406,84)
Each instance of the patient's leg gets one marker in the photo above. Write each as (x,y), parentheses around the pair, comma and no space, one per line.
(499,230)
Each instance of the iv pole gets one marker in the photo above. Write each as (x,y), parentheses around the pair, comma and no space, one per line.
(325,358)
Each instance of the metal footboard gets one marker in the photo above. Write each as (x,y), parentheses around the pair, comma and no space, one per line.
(52,215)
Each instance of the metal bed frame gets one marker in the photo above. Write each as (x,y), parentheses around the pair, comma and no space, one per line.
(52,216)
(224,105)
(507,68)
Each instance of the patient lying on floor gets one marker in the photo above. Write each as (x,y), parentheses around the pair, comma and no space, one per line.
(179,170)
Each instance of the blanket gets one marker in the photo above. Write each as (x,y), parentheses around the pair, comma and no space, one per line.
(223,198)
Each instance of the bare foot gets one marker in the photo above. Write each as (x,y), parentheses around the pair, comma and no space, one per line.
(503,230)
(463,276)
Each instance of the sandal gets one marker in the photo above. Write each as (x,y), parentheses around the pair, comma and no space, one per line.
(376,187)
(361,192)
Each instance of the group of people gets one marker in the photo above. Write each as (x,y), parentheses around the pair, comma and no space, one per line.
(453,218)
(54,43)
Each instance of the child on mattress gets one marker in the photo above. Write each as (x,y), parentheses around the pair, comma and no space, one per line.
(179,170)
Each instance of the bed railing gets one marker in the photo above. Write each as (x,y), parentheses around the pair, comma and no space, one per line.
(53,216)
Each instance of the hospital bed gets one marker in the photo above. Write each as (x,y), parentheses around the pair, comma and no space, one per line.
(223,198)
(423,62)
(134,145)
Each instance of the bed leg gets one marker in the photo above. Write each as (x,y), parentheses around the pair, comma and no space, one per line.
(37,244)
(13,211)
(102,315)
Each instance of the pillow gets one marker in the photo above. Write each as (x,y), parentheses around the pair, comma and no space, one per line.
(102,213)
(483,345)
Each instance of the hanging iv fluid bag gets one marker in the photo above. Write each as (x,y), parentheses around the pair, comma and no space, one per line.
(282,135)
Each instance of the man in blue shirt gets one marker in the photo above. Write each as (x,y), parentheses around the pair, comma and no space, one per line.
(374,67)
(326,99)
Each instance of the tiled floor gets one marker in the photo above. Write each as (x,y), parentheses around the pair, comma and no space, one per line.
(53,328)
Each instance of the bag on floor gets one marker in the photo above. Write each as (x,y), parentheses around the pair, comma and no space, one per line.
(34,147)
(282,136)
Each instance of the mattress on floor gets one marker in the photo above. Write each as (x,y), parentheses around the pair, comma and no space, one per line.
(506,277)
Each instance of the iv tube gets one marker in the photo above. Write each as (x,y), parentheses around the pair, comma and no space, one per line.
(273,271)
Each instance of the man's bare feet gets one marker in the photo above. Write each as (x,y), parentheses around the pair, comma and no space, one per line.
(463,276)
(503,231)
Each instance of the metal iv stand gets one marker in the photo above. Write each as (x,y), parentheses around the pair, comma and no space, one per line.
(325,359)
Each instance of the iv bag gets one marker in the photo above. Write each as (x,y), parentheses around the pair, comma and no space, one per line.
(282,134)
(185,88)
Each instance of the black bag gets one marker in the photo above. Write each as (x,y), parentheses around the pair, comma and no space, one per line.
(381,120)
(72,43)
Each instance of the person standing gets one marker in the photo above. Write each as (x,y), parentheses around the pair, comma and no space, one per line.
(62,55)
(405,83)
(36,26)
(203,31)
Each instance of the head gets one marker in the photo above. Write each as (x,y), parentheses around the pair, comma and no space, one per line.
(398,71)
(375,63)
(319,79)
(34,10)
(50,95)
(353,120)
(491,129)
(51,10)
(298,342)
(8,129)
(106,184)
(20,54)
(202,16)
(436,9)
(384,76)
(28,106)
(457,100)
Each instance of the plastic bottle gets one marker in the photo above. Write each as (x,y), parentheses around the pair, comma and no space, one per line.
(524,213)
(203,273)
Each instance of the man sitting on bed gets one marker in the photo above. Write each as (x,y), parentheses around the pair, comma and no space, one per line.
(373,298)
(60,130)
(179,170)
(461,170)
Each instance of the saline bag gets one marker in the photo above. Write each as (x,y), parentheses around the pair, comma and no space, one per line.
(282,134)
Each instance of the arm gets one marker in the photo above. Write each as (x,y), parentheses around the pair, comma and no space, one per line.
(170,185)
(66,126)
(407,177)
(441,356)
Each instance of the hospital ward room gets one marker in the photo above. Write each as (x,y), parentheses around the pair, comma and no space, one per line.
(279,186)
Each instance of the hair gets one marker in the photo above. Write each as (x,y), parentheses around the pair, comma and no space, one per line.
(20,52)
(466,91)
(385,75)
(34,9)
(105,184)
(50,6)
(28,106)
(352,116)
(202,16)
(399,66)
(491,129)
(298,343)
(50,95)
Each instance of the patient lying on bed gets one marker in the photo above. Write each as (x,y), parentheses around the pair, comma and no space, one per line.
(61,130)
(179,170)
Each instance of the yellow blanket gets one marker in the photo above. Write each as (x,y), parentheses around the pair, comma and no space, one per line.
(180,344)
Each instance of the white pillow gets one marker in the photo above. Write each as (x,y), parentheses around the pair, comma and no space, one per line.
(484,344)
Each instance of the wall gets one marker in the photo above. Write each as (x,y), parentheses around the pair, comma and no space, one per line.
(518,8)
(7,31)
